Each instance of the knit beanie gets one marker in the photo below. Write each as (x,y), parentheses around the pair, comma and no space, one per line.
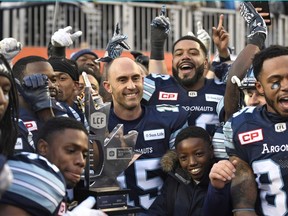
(65,65)
(76,55)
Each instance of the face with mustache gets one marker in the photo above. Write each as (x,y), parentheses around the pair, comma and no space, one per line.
(189,63)
(188,82)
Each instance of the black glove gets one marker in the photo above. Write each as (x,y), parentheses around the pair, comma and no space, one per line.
(160,28)
(256,23)
(35,91)
(117,43)
(115,46)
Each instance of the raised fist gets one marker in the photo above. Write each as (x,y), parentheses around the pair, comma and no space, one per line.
(9,48)
(34,89)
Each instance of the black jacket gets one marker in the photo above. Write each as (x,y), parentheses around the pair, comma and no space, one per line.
(180,195)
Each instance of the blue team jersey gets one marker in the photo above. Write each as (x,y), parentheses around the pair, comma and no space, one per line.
(165,89)
(261,139)
(33,123)
(157,128)
(24,142)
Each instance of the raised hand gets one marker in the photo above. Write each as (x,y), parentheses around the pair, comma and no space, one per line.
(161,22)
(117,43)
(221,37)
(222,173)
(120,38)
(160,28)
(254,20)
(64,37)
(34,89)
(203,36)
(9,48)
(115,46)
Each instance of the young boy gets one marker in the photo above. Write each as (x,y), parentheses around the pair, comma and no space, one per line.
(188,168)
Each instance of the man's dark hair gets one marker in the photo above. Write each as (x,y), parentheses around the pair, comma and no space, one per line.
(58,125)
(268,53)
(188,37)
(106,69)
(107,97)
(20,66)
(193,132)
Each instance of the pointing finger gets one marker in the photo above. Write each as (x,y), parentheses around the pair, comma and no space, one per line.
(76,35)
(163,10)
(220,24)
(67,29)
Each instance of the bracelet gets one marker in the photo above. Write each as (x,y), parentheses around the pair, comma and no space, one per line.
(243,209)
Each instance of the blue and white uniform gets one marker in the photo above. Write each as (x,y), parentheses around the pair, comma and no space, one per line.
(24,142)
(33,123)
(260,138)
(157,128)
(165,89)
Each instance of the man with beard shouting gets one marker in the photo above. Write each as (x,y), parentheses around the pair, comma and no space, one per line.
(188,86)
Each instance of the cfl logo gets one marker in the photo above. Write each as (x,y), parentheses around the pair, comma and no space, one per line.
(98,120)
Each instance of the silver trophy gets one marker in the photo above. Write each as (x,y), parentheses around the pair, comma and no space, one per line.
(109,155)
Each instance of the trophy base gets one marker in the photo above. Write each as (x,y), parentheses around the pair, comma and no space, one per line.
(111,200)
(128,210)
(109,197)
